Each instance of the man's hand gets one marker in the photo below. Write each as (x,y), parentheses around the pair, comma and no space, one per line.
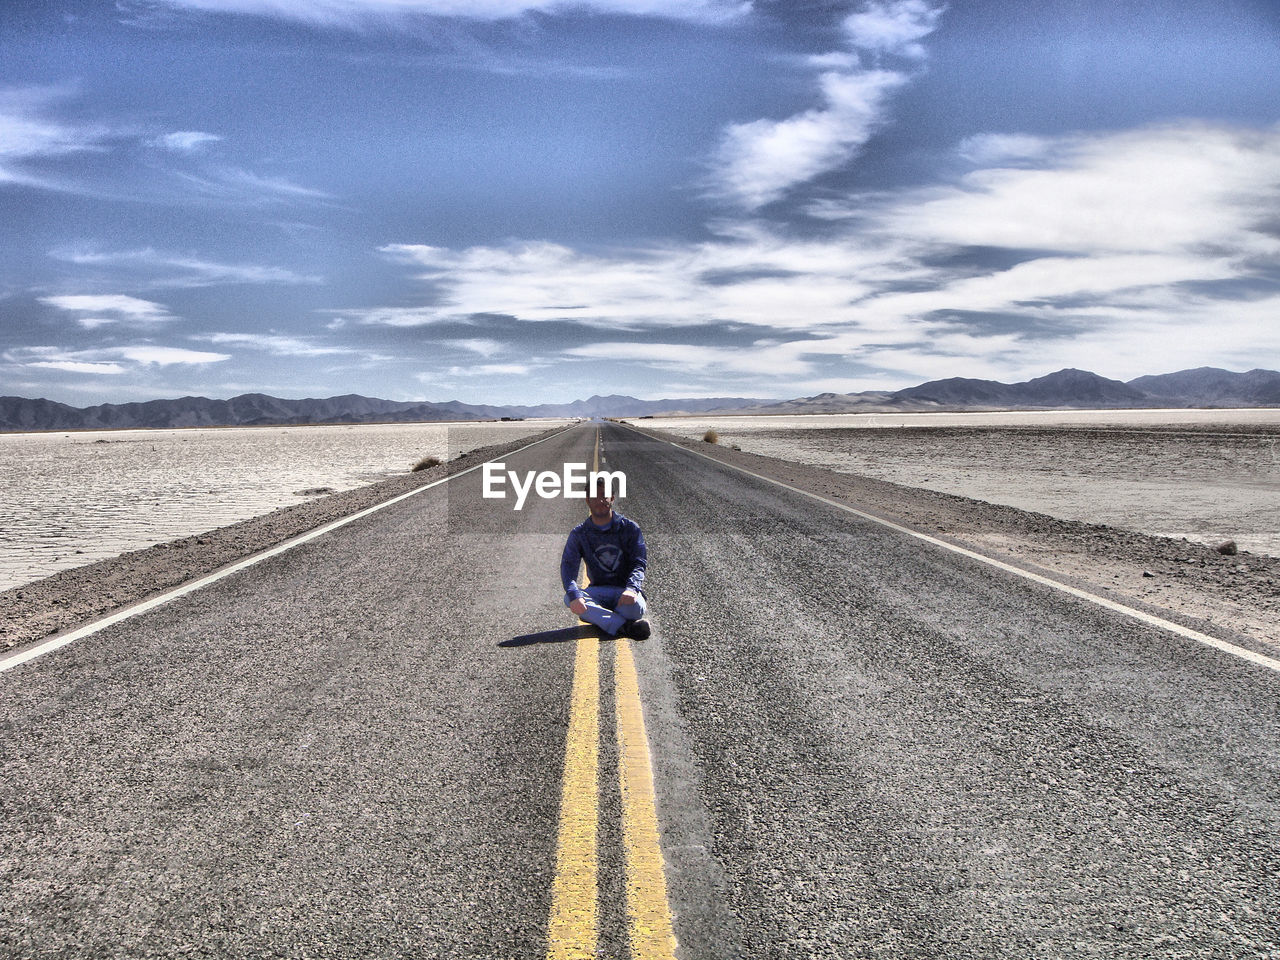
(628,597)
(578,606)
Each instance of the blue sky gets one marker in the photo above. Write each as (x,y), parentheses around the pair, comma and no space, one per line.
(523,201)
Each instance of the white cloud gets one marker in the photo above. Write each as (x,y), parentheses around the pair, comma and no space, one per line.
(187,141)
(27,134)
(96,311)
(278,345)
(360,12)
(895,26)
(487,370)
(759,162)
(78,366)
(386,317)
(1176,187)
(709,362)
(1132,246)
(107,360)
(841,60)
(166,356)
(1027,287)
(777,282)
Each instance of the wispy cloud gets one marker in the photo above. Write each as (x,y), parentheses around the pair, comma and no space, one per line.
(32,139)
(486,370)
(78,366)
(170,270)
(28,135)
(101,310)
(893,27)
(239,186)
(711,363)
(187,141)
(364,12)
(108,361)
(283,346)
(758,162)
(479,345)
(385,317)
(148,354)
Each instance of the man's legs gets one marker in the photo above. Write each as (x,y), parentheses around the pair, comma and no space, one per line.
(604,611)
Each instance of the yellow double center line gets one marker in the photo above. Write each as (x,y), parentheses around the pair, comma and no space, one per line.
(574,922)
(648,913)
(573,930)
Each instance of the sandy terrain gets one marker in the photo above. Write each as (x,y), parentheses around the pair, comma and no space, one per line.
(1207,475)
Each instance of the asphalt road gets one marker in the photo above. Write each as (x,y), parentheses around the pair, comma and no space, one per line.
(862,746)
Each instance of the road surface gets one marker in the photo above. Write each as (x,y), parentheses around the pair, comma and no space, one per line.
(391,740)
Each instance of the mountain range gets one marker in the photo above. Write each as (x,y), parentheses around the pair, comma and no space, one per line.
(257,409)
(1065,389)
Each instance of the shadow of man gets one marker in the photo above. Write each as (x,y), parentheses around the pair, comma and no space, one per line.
(563,635)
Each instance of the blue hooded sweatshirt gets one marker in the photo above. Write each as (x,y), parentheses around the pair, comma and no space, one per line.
(615,555)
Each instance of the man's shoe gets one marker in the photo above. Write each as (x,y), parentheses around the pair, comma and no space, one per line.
(636,629)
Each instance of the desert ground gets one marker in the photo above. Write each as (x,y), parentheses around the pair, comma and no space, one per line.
(1134,511)
(1207,475)
(72,498)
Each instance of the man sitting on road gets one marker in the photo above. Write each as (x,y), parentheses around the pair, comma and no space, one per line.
(615,554)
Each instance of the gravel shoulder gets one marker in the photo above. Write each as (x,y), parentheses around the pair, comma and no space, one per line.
(70,598)
(1235,597)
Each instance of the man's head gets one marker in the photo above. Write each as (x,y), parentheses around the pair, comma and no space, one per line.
(600,503)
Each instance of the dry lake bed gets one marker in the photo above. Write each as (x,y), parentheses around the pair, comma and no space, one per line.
(73,498)
(1207,475)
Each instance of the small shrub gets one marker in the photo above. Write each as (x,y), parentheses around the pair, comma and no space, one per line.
(711,437)
(426,463)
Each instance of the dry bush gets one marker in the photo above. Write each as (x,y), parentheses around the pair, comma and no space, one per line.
(711,437)
(426,463)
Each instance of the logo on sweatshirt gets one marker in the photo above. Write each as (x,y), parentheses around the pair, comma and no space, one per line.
(608,556)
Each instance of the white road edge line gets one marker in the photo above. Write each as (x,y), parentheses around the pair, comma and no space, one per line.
(1150,619)
(54,643)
